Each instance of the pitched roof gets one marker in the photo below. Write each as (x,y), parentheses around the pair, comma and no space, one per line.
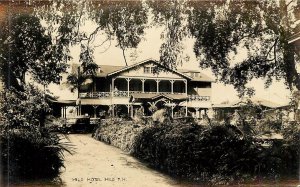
(147,61)
(108,70)
(62,102)
(242,102)
(201,78)
(294,38)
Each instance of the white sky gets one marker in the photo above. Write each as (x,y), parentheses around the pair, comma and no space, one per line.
(149,48)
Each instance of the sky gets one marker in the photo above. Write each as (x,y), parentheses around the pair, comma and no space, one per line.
(149,48)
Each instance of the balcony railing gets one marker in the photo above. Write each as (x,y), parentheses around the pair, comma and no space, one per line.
(198,98)
(95,95)
(125,94)
(120,94)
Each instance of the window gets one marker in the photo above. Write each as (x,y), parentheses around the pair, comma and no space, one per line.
(147,69)
(154,70)
(195,74)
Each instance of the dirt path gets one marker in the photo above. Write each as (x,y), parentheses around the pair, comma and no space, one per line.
(98,164)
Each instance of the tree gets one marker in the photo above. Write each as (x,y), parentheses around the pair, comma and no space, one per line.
(27,48)
(222,29)
(261,28)
(123,21)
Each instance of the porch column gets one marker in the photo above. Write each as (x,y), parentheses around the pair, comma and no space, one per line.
(62,111)
(185,82)
(172,107)
(113,84)
(65,108)
(128,109)
(128,83)
(143,85)
(186,110)
(95,110)
(113,110)
(131,111)
(197,112)
(172,82)
(157,85)
(94,85)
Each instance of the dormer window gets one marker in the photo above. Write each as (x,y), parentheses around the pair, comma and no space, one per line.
(150,69)
(147,70)
(195,74)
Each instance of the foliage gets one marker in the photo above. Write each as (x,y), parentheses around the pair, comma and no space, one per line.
(192,151)
(291,149)
(23,108)
(219,154)
(31,153)
(28,149)
(26,47)
(171,15)
(118,133)
(225,26)
(124,20)
(222,30)
(159,115)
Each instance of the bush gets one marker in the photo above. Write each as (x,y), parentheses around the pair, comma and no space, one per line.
(28,149)
(118,133)
(192,151)
(31,153)
(215,153)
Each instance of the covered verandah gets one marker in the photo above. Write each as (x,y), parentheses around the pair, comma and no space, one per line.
(151,102)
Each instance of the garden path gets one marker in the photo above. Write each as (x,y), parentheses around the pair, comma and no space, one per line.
(97,164)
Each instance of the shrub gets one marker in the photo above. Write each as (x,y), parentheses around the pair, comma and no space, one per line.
(290,148)
(159,115)
(218,154)
(23,108)
(118,132)
(28,149)
(31,153)
(192,151)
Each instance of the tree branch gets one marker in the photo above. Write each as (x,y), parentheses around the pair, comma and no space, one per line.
(289,3)
(272,47)
(123,50)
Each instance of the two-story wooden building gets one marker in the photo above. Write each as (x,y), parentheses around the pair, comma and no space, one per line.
(145,86)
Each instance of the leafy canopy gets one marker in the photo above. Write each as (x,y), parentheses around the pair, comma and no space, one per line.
(221,31)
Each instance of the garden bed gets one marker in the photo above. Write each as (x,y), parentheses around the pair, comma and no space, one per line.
(218,154)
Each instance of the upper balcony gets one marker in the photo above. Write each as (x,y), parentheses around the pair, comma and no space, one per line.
(126,94)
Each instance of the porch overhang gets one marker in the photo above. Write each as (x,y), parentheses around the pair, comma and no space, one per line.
(93,102)
(63,102)
(295,41)
(196,104)
(154,96)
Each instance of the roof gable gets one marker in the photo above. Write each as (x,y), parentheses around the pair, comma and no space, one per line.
(148,61)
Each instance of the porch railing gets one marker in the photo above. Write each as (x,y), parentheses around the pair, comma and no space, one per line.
(125,94)
(120,94)
(198,98)
(95,95)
